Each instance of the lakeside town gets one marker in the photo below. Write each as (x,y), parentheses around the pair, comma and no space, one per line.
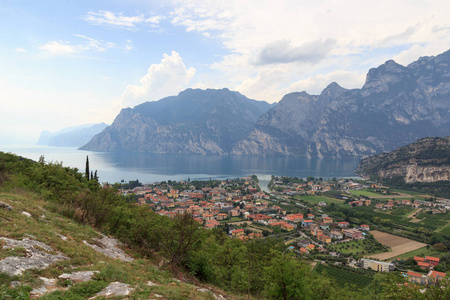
(346,224)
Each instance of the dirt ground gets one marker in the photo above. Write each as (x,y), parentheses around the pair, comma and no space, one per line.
(413,216)
(399,245)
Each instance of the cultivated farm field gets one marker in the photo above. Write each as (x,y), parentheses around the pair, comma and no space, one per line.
(399,245)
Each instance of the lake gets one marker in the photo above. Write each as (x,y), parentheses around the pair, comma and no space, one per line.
(155,167)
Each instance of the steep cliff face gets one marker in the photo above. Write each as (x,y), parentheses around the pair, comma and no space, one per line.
(396,106)
(427,160)
(195,121)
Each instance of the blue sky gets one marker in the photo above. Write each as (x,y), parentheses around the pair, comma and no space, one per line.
(66,63)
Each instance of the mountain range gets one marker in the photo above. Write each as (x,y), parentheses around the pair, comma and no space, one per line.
(196,121)
(72,136)
(397,105)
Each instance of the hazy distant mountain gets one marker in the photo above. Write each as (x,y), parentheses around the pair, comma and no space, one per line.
(71,136)
(396,106)
(195,121)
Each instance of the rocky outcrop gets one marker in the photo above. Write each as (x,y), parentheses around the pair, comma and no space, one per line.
(427,160)
(38,256)
(109,247)
(115,289)
(5,206)
(415,173)
(81,276)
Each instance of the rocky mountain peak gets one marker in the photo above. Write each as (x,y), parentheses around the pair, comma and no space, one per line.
(333,90)
(381,78)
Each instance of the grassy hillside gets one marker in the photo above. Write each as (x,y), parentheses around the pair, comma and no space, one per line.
(66,236)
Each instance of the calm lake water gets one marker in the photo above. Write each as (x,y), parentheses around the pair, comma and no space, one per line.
(151,167)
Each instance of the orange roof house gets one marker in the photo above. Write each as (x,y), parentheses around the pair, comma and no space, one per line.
(287,227)
(418,258)
(423,265)
(343,224)
(238,232)
(417,277)
(304,250)
(311,247)
(365,227)
(327,220)
(434,261)
(324,238)
(435,275)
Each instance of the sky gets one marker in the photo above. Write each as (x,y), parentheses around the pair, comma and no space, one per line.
(68,63)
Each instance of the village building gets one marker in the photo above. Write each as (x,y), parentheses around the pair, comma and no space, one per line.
(343,224)
(378,266)
(352,233)
(238,233)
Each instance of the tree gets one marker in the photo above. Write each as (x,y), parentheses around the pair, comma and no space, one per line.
(285,277)
(87,167)
(178,238)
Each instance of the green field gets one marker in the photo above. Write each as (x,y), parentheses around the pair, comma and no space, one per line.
(358,247)
(407,192)
(445,230)
(365,193)
(344,277)
(402,211)
(316,199)
(418,252)
(230,220)
(435,222)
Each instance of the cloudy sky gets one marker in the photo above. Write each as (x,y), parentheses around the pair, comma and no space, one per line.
(67,63)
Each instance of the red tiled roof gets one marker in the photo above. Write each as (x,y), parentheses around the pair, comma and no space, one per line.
(432,258)
(423,264)
(411,273)
(435,274)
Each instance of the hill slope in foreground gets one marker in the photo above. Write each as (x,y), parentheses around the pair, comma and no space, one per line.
(46,253)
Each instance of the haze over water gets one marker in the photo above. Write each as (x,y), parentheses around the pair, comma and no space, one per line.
(155,167)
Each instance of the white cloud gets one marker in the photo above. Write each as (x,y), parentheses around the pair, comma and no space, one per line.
(164,79)
(417,50)
(21,50)
(65,47)
(339,39)
(270,84)
(59,48)
(315,84)
(110,19)
(154,20)
(129,45)
(282,51)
